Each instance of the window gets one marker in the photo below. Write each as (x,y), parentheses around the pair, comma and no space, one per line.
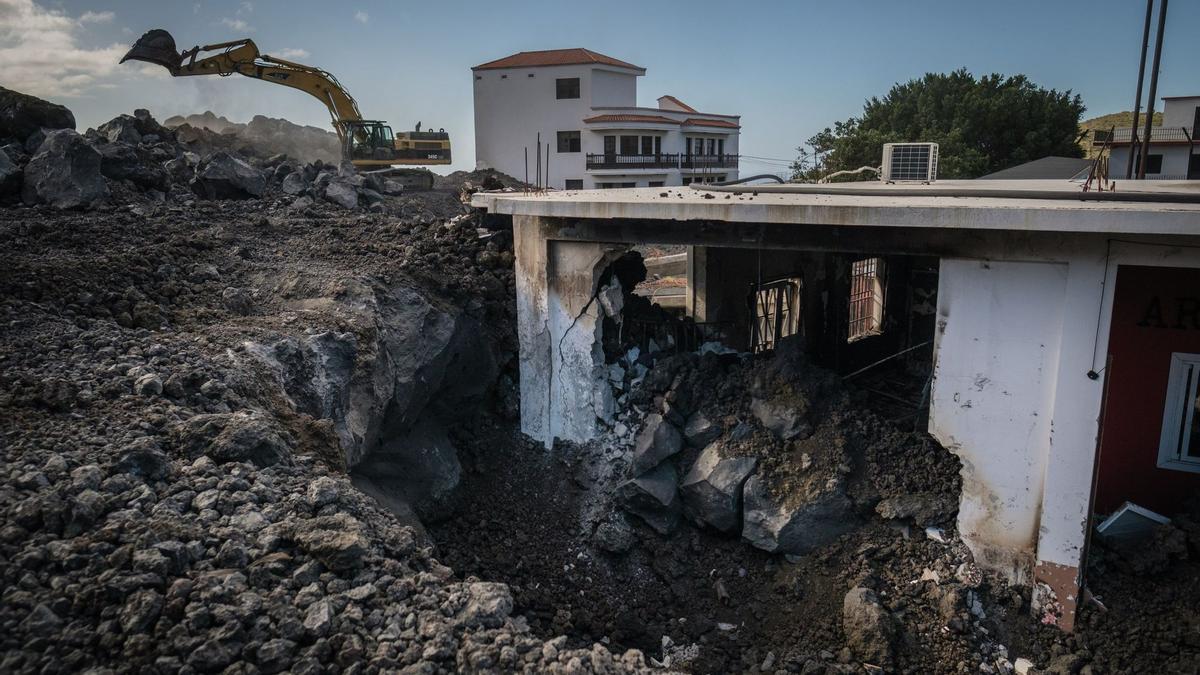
(610,186)
(566,87)
(1153,163)
(657,183)
(568,141)
(529,75)
(629,145)
(574,184)
(776,313)
(867,287)
(647,145)
(479,77)
(610,146)
(720,146)
(712,146)
(1179,444)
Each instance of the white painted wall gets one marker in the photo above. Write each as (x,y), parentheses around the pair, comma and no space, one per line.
(511,108)
(1180,112)
(1175,161)
(612,88)
(999,325)
(514,105)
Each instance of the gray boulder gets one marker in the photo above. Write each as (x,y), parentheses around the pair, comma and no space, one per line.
(653,497)
(699,431)
(658,440)
(232,437)
(22,114)
(122,161)
(805,521)
(294,183)
(65,173)
(712,488)
(488,605)
(781,419)
(121,129)
(341,193)
(10,176)
(223,176)
(869,629)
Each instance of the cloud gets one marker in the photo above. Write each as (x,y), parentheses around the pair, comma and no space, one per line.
(40,52)
(246,8)
(96,17)
(361,16)
(290,53)
(236,24)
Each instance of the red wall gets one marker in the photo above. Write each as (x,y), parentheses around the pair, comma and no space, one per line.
(1140,346)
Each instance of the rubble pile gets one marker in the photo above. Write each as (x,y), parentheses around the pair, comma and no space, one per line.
(184,387)
(132,158)
(261,137)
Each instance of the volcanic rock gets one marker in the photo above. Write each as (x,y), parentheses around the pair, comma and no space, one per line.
(712,488)
(65,173)
(22,114)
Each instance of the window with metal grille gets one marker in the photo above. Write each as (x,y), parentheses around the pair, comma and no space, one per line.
(867,287)
(1179,444)
(776,313)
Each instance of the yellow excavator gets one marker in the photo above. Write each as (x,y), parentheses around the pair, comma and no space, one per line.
(369,144)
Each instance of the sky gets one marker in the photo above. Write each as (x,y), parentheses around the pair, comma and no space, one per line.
(789,69)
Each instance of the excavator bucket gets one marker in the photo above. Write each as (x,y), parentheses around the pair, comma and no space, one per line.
(158,47)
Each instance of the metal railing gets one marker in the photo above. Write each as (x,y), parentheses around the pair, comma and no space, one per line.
(709,162)
(614,161)
(1157,135)
(660,161)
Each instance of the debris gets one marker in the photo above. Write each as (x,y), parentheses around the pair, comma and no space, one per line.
(1130,523)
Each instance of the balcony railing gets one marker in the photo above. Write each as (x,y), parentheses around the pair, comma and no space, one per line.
(709,162)
(661,161)
(1157,135)
(614,161)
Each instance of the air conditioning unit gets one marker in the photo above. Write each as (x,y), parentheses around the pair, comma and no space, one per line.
(909,163)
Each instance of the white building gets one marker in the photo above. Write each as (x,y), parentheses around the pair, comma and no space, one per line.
(583,107)
(1174,150)
(1066,330)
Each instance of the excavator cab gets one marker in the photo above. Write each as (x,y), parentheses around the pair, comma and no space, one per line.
(369,140)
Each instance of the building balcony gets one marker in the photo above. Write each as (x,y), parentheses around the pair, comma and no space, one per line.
(1121,135)
(701,162)
(660,161)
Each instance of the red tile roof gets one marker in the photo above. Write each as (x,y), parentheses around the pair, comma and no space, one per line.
(697,122)
(656,119)
(683,106)
(554,57)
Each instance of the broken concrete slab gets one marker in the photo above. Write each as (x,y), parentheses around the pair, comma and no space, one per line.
(653,497)
(658,440)
(712,488)
(775,525)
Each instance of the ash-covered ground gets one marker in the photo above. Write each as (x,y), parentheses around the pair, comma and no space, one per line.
(260,415)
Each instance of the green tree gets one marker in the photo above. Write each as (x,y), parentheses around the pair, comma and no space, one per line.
(980,125)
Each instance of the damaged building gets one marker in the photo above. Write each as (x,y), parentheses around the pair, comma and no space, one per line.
(1053,334)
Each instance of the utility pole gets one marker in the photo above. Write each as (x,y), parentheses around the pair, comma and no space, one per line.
(1137,99)
(1158,40)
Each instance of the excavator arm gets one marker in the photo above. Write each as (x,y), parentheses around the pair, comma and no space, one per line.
(243,58)
(369,144)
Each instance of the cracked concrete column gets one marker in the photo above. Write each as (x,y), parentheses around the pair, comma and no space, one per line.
(564,393)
